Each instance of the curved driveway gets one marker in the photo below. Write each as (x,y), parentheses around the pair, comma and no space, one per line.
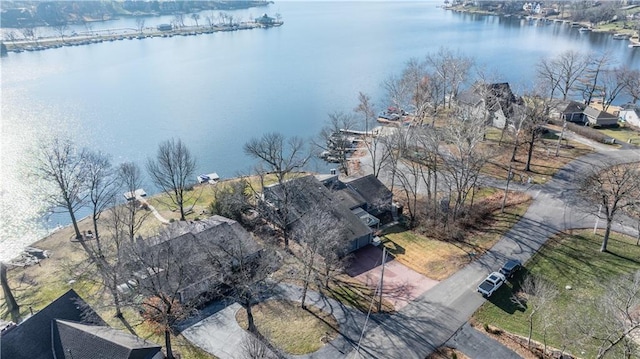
(433,318)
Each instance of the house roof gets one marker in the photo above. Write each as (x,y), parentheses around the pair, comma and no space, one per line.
(349,198)
(31,339)
(598,114)
(77,340)
(370,189)
(568,106)
(194,239)
(309,193)
(494,94)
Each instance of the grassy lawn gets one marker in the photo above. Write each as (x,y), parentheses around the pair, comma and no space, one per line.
(291,328)
(622,134)
(438,259)
(573,260)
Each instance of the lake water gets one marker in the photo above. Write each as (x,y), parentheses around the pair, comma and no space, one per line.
(217,91)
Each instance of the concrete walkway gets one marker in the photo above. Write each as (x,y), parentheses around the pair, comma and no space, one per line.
(153,210)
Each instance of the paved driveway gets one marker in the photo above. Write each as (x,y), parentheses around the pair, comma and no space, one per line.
(401,284)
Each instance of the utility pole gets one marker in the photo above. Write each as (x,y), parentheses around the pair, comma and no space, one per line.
(384,259)
(564,126)
(506,189)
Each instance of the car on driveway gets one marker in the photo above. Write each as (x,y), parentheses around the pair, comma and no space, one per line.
(510,268)
(494,281)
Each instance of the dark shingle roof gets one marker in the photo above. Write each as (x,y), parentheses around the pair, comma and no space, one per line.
(31,339)
(76,340)
(349,198)
(371,189)
(310,193)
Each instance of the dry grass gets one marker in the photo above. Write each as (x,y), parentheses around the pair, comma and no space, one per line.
(438,258)
(544,163)
(291,328)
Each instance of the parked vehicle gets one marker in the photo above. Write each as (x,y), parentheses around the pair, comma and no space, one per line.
(510,268)
(492,283)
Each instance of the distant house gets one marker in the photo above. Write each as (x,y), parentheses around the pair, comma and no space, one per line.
(354,205)
(265,20)
(69,328)
(164,27)
(195,240)
(599,118)
(496,101)
(630,113)
(568,110)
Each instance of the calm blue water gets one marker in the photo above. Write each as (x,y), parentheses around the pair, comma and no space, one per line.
(217,91)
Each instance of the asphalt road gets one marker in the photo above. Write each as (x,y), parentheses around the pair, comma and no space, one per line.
(433,318)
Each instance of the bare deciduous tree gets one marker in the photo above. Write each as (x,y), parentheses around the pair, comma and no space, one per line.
(451,70)
(613,188)
(195,17)
(612,84)
(562,72)
(535,295)
(631,80)
(320,237)
(282,158)
(590,83)
(371,140)
(131,214)
(102,185)
(244,275)
(465,157)
(171,171)
(607,324)
(61,163)
(140,24)
(61,29)
(161,268)
(336,145)
(12,305)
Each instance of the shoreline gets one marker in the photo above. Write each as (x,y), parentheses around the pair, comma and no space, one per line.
(633,39)
(111,35)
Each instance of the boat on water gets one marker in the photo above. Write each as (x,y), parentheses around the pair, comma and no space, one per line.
(584,29)
(634,45)
(621,36)
(575,24)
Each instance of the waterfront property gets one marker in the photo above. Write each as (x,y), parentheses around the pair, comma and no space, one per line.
(197,241)
(70,328)
(357,206)
(599,118)
(568,110)
(630,113)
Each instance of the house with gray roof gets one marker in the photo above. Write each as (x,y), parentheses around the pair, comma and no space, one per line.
(70,328)
(568,110)
(196,240)
(353,204)
(598,118)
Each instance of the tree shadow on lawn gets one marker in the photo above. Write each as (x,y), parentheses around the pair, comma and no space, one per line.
(502,297)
